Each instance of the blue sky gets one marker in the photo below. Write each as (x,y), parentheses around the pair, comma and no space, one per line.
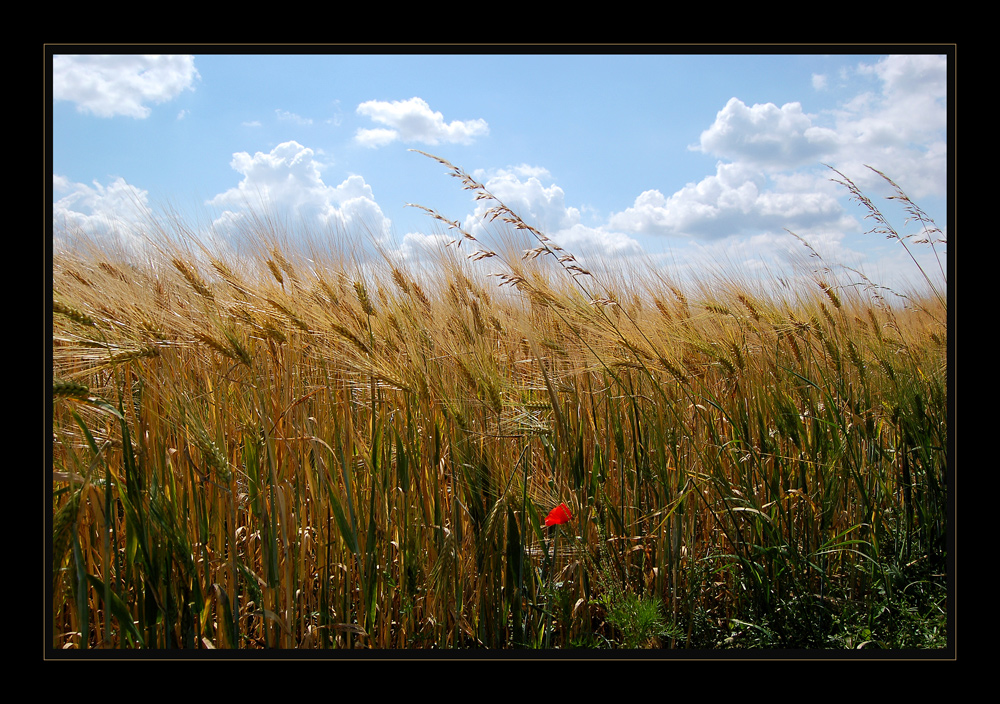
(681,158)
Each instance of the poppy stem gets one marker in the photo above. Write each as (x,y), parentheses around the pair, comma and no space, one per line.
(551,586)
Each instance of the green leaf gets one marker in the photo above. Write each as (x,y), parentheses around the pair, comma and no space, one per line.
(118,608)
(346,528)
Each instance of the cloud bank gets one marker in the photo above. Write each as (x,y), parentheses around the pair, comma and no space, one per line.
(769,173)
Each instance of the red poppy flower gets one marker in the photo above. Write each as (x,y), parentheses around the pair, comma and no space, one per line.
(559,515)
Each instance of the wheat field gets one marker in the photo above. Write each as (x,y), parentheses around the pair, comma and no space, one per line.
(279,445)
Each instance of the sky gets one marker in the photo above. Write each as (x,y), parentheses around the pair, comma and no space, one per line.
(668,157)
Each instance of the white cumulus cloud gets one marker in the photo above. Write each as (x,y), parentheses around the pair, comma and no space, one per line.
(289,179)
(521,188)
(737,199)
(116,209)
(767,135)
(899,129)
(413,121)
(110,85)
